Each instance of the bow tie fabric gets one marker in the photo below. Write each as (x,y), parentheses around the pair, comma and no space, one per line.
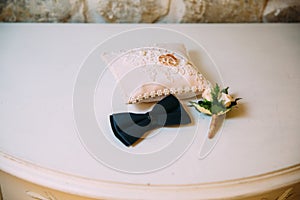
(130,127)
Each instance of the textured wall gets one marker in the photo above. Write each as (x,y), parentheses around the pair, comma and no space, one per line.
(150,11)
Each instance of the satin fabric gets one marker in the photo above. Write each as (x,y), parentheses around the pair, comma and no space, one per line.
(130,127)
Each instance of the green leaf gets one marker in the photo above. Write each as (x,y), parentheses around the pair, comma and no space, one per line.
(217,107)
(215,93)
(203,107)
(234,103)
(225,90)
(205,104)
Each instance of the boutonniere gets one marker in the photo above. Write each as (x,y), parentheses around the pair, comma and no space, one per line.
(215,102)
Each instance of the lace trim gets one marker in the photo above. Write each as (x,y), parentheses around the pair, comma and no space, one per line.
(160,93)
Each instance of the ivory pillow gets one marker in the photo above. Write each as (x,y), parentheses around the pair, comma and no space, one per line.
(148,74)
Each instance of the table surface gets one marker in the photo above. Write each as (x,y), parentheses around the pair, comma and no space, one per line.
(39,64)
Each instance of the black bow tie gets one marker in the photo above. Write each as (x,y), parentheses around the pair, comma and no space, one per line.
(130,127)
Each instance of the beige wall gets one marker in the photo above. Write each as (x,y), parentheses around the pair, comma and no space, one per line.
(150,11)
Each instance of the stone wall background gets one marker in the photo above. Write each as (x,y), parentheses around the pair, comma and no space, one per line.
(150,11)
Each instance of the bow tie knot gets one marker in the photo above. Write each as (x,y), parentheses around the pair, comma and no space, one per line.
(130,127)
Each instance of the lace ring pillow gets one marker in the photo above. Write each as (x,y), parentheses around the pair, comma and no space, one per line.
(148,74)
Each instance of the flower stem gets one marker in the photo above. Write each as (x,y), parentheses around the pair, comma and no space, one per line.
(212,128)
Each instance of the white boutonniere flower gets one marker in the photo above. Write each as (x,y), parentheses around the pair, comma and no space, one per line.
(215,102)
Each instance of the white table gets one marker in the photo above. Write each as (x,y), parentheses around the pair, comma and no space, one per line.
(258,151)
